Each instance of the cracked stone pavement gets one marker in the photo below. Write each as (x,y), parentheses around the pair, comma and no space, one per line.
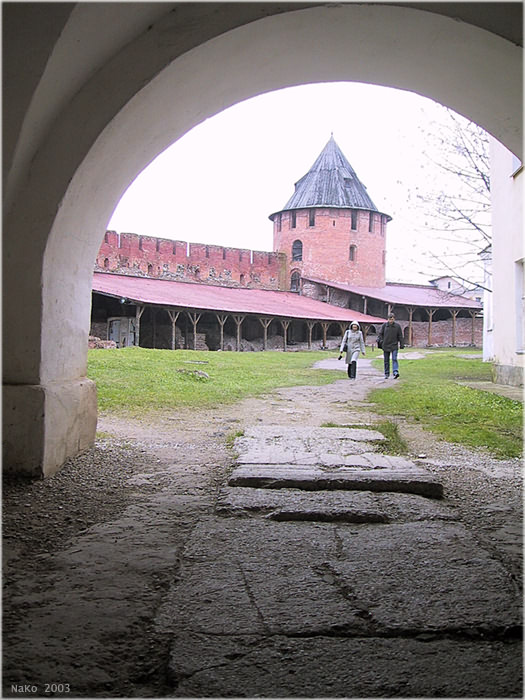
(315,565)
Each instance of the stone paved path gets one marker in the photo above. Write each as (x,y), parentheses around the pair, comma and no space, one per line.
(332,569)
(329,575)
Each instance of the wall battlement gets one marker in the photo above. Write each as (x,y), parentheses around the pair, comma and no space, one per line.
(161,258)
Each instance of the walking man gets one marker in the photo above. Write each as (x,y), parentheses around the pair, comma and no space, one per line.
(390,338)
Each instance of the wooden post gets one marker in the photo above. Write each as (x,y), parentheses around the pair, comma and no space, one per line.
(174,315)
(365,328)
(343,327)
(238,320)
(473,316)
(154,326)
(365,304)
(222,318)
(454,313)
(310,325)
(139,310)
(325,325)
(285,322)
(430,313)
(265,322)
(194,318)
(410,328)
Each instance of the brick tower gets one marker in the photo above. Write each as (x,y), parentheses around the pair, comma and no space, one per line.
(330,229)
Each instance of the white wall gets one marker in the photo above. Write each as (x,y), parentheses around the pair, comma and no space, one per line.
(508,255)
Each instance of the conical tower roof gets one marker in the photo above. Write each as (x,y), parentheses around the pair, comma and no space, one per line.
(330,182)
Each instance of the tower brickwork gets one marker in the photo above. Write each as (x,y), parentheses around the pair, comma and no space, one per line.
(330,229)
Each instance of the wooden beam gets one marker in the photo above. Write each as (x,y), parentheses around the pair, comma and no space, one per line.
(194,318)
(410,328)
(325,325)
(222,318)
(454,314)
(174,315)
(139,310)
(473,335)
(285,322)
(310,325)
(238,318)
(265,322)
(430,313)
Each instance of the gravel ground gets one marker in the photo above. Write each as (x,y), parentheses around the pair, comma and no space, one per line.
(141,464)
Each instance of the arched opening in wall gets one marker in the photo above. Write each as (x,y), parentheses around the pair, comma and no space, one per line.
(295,281)
(141,117)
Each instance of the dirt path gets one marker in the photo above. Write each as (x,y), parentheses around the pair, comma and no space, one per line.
(91,555)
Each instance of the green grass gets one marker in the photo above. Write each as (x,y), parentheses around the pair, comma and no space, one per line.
(134,381)
(429,393)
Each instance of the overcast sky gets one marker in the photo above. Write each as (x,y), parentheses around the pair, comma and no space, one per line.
(219,183)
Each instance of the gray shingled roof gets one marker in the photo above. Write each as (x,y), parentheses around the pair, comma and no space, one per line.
(330,182)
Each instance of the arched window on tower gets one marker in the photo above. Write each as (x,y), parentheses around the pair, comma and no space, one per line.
(297,250)
(295,281)
(353,253)
(293,219)
(354,219)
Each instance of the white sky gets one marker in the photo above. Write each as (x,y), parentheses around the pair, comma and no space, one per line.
(220,181)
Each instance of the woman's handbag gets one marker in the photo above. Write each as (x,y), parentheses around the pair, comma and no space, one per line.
(345,347)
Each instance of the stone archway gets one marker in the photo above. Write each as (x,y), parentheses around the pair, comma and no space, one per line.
(93,109)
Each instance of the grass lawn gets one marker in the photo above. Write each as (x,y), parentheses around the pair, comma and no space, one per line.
(135,381)
(428,392)
(138,381)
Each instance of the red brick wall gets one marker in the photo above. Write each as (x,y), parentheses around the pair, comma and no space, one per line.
(326,245)
(146,256)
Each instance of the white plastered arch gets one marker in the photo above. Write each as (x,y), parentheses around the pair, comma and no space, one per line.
(451,62)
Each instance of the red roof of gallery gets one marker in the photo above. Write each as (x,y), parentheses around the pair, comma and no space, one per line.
(226,299)
(407,294)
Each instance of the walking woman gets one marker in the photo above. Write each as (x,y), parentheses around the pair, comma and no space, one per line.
(354,341)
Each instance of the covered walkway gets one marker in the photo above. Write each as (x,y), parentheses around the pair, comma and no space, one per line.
(207,303)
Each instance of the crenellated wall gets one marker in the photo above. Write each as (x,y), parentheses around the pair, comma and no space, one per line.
(129,253)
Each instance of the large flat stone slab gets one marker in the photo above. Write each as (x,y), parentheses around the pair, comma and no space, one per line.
(261,577)
(386,476)
(244,666)
(330,506)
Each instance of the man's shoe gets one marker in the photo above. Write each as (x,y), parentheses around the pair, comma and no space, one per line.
(396,375)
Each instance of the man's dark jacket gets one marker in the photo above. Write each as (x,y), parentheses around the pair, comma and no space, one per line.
(390,335)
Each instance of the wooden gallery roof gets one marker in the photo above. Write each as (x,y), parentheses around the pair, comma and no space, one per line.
(206,297)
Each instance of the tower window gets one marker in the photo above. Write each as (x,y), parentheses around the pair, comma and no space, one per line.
(311,219)
(224,253)
(295,281)
(207,251)
(383,225)
(293,219)
(354,219)
(297,250)
(353,253)
(371,222)
(278,222)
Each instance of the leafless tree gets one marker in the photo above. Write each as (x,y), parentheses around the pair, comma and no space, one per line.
(455,201)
